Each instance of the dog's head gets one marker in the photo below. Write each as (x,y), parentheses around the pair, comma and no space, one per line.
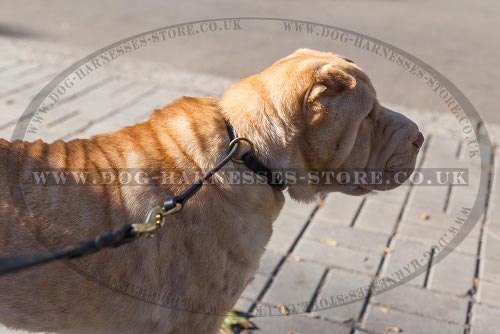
(317,113)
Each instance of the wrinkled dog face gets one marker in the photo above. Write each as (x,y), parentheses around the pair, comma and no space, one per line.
(344,128)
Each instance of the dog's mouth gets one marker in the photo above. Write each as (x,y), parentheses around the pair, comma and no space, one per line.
(388,178)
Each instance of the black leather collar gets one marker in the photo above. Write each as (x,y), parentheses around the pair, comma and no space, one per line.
(251,162)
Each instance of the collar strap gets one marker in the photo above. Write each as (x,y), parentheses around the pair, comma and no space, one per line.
(252,163)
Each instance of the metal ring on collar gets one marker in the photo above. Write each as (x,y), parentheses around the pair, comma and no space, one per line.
(234,141)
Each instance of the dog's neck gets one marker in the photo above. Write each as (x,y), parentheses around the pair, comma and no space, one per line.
(270,133)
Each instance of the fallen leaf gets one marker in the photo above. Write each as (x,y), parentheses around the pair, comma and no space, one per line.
(387,250)
(283,309)
(233,319)
(294,257)
(393,329)
(384,309)
(476,282)
(311,315)
(321,204)
(330,242)
(425,216)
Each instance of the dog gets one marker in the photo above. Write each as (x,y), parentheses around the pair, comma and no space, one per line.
(309,111)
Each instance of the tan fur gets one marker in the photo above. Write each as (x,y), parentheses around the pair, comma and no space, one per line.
(306,111)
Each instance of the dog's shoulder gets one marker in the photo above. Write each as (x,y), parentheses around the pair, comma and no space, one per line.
(188,113)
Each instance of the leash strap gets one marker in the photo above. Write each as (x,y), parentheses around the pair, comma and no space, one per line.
(113,239)
(172,203)
(155,219)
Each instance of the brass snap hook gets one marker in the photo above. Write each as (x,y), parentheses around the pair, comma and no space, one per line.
(234,141)
(155,220)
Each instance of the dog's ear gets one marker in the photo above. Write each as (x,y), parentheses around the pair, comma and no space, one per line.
(328,81)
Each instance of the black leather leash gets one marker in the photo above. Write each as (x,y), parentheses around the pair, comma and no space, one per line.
(155,219)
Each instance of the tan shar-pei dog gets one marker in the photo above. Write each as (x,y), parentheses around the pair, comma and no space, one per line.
(310,111)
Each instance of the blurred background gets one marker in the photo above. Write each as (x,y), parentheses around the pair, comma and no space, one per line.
(457,37)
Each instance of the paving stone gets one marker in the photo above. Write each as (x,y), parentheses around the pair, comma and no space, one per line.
(342,284)
(347,237)
(402,254)
(428,197)
(424,232)
(426,303)
(378,216)
(420,232)
(42,74)
(441,155)
(295,283)
(494,205)
(485,319)
(286,229)
(339,209)
(255,287)
(395,196)
(490,270)
(16,103)
(134,113)
(268,262)
(109,107)
(466,197)
(378,322)
(433,218)
(16,75)
(242,305)
(492,241)
(297,324)
(74,111)
(442,150)
(496,173)
(469,245)
(338,256)
(489,293)
(454,274)
(6,64)
(293,207)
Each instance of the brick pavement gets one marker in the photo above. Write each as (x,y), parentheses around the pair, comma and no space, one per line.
(328,248)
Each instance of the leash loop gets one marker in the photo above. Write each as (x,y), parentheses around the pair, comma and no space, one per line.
(234,142)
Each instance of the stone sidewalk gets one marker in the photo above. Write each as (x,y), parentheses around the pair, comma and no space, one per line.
(324,249)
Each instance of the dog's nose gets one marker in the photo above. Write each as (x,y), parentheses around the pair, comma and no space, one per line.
(419,141)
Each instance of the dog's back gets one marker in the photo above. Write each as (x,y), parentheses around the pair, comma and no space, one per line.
(198,263)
